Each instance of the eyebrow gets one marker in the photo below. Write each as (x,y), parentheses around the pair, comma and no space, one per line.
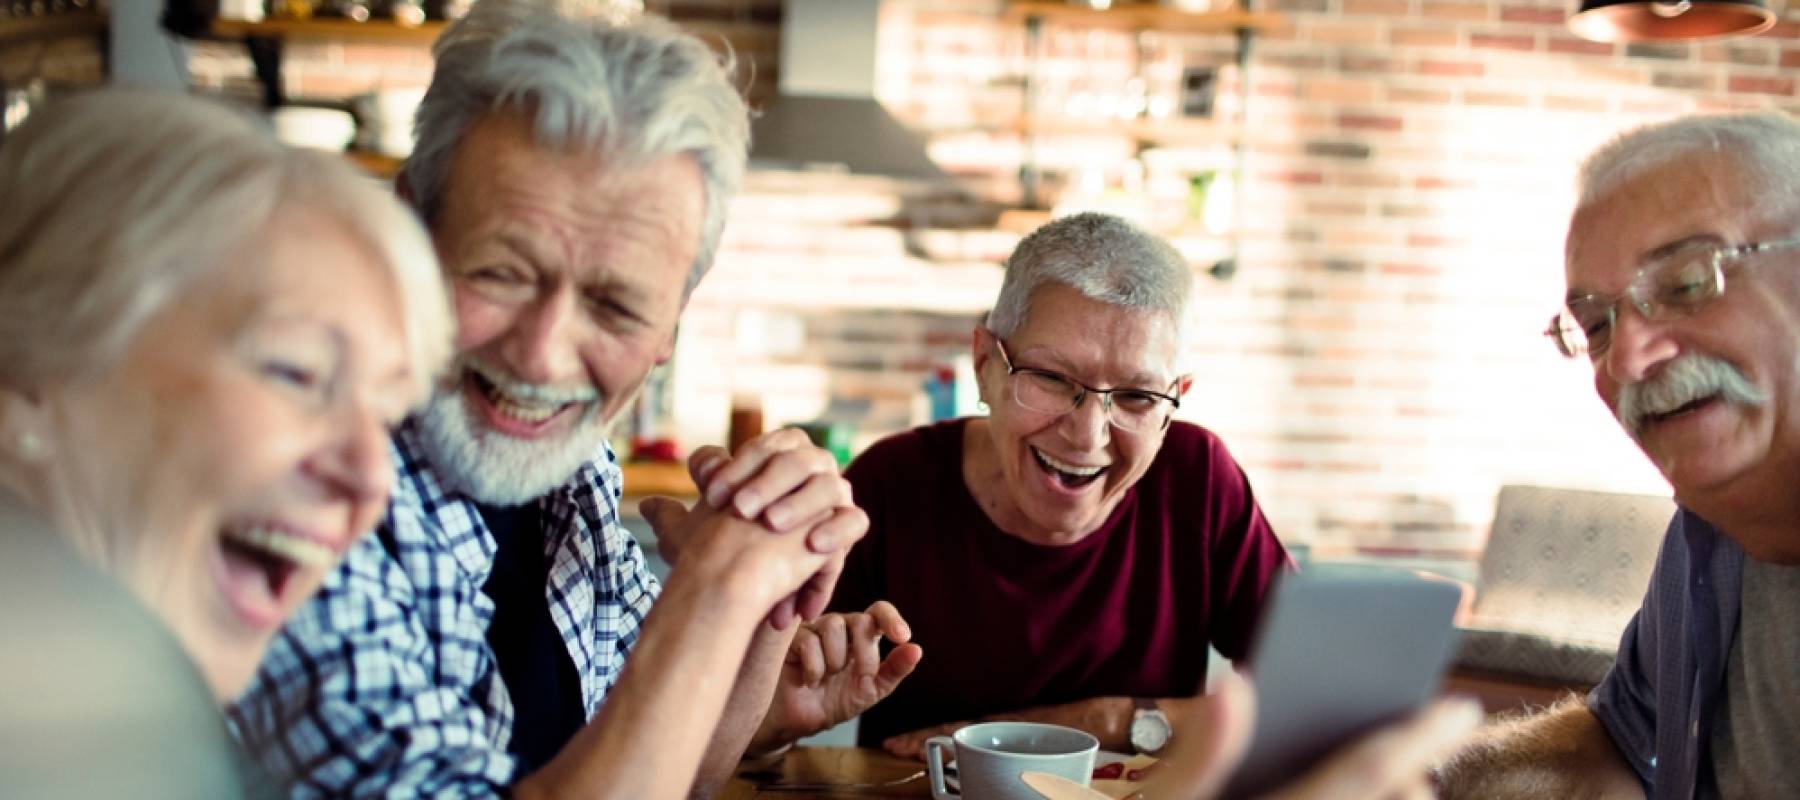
(1062,365)
(1656,254)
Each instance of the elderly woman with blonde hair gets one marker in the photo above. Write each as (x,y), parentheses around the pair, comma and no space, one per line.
(204,336)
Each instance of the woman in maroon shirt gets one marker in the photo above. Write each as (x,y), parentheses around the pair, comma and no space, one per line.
(1070,557)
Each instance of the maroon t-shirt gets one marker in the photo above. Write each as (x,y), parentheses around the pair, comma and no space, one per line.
(1182,562)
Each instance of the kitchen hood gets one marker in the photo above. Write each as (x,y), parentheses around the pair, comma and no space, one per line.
(825,112)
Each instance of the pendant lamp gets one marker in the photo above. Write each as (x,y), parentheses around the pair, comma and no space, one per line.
(1639,21)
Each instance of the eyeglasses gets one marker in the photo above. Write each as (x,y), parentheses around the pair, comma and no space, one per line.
(1049,392)
(1667,289)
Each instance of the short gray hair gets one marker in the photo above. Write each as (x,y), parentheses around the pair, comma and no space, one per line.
(634,91)
(120,201)
(1766,143)
(1101,256)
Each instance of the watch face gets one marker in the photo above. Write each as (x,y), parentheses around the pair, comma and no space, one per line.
(1149,732)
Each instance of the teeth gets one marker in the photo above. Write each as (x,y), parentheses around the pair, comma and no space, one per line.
(524,412)
(304,552)
(1060,466)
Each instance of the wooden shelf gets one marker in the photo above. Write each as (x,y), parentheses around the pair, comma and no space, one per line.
(67,25)
(375,30)
(1142,17)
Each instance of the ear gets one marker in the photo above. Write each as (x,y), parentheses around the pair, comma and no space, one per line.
(981,348)
(24,418)
(1183,384)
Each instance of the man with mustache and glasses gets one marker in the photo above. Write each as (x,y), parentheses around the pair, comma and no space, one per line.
(496,635)
(1684,293)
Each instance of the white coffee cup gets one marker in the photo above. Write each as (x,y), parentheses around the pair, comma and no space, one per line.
(991,755)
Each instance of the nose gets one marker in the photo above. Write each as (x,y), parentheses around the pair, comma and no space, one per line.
(540,346)
(1087,426)
(1637,348)
(355,467)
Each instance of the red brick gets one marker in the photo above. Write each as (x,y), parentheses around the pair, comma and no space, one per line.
(1301,61)
(1790,58)
(1369,180)
(1440,9)
(1556,102)
(1432,182)
(1296,177)
(1337,208)
(1328,91)
(1537,15)
(1424,240)
(1275,89)
(1505,99)
(1752,53)
(1359,63)
(1353,31)
(1758,84)
(1739,103)
(1489,41)
(1572,45)
(1424,37)
(1384,8)
(1408,94)
(1422,270)
(1688,81)
(1372,122)
(1459,69)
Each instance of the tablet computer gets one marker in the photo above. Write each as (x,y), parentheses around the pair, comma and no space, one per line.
(1342,649)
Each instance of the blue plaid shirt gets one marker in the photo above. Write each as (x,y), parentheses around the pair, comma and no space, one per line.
(1658,700)
(384,684)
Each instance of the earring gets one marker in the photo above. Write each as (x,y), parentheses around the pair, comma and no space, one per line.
(31,448)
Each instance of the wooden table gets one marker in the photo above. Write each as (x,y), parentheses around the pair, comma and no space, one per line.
(830,766)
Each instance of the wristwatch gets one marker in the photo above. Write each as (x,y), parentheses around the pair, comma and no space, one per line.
(1150,729)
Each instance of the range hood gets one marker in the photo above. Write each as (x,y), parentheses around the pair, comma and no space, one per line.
(825,112)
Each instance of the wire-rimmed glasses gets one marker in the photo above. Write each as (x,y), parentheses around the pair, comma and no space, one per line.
(1051,392)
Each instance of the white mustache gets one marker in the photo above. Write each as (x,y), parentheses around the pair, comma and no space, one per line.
(529,393)
(1686,379)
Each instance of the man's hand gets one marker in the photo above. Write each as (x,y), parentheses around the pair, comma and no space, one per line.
(834,671)
(786,482)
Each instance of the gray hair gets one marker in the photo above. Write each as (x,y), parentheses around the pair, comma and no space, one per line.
(1765,143)
(1101,256)
(634,91)
(120,201)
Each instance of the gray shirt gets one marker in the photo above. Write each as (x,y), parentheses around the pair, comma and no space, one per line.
(1755,730)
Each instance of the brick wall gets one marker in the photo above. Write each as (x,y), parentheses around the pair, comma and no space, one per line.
(1375,361)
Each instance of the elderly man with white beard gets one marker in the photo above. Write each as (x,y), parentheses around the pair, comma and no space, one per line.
(1683,272)
(495,636)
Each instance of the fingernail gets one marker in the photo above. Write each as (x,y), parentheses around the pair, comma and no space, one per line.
(747,503)
(778,517)
(717,494)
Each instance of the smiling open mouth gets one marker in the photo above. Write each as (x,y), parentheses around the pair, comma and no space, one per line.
(531,413)
(260,561)
(1070,475)
(1691,406)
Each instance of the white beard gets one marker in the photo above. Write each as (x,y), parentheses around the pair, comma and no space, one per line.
(497,469)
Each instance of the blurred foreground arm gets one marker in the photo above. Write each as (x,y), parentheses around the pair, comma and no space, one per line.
(1389,762)
(1560,752)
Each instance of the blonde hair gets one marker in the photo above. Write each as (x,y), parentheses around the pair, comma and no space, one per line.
(120,201)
